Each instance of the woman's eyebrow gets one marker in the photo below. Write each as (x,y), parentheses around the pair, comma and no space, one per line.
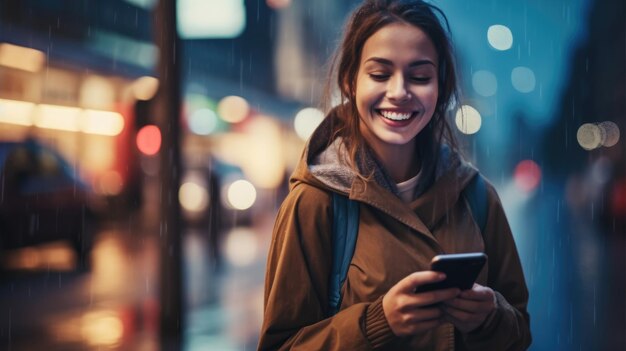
(387,62)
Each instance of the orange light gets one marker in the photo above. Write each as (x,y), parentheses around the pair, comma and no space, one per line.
(527,175)
(149,140)
(233,109)
(278,4)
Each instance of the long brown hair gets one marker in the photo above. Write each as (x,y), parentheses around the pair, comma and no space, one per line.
(366,20)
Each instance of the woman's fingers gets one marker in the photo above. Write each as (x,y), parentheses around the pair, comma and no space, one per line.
(471,306)
(411,281)
(436,296)
(478,293)
(410,301)
(470,309)
(408,312)
(408,285)
(459,315)
(424,314)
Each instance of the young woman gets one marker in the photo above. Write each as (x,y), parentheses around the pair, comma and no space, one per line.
(388,146)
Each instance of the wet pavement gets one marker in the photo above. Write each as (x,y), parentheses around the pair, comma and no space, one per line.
(47,305)
(50,306)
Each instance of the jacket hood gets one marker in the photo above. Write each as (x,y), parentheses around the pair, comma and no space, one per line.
(326,166)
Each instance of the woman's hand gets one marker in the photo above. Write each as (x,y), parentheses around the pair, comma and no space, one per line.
(469,310)
(408,312)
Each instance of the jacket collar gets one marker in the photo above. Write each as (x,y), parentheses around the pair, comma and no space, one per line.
(450,178)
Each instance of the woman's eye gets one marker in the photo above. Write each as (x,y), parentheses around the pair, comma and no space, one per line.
(420,79)
(379,77)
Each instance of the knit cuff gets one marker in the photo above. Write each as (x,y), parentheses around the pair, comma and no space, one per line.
(492,320)
(376,327)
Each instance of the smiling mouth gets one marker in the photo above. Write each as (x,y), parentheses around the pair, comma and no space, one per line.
(396,116)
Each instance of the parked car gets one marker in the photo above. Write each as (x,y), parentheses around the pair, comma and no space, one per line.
(42,199)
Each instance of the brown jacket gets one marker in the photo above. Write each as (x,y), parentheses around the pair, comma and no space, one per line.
(395,239)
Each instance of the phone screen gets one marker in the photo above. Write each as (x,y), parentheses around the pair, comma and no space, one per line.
(461,271)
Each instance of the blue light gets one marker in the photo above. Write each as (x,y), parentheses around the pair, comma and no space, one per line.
(203,121)
(201,19)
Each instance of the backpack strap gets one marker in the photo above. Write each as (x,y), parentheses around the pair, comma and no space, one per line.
(344,235)
(476,194)
(346,226)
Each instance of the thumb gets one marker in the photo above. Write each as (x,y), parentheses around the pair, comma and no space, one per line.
(413,280)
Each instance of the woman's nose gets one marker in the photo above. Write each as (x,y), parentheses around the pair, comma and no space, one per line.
(397,90)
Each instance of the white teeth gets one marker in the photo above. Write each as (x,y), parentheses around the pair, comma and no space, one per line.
(396,116)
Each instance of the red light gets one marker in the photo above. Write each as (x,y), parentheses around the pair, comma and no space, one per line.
(149,140)
(527,175)
(619,198)
(278,4)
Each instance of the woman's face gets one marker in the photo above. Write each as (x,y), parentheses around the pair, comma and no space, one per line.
(397,86)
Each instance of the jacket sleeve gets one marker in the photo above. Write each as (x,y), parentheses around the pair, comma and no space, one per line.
(296,281)
(508,326)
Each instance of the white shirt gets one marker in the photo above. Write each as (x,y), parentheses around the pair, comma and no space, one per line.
(406,189)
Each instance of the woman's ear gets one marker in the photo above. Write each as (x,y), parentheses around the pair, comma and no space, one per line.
(346,90)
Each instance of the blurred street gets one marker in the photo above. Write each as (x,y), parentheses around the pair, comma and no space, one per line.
(47,305)
(146,145)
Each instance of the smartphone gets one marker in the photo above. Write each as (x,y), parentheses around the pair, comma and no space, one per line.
(461,270)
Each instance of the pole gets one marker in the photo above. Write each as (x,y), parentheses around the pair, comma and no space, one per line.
(168,121)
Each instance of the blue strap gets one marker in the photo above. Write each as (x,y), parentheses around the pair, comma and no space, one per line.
(346,226)
(344,235)
(476,194)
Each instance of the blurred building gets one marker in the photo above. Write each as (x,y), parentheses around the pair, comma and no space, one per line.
(70,78)
(595,94)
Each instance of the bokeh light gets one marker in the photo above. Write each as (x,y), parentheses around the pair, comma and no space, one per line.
(201,19)
(589,136)
(618,200)
(611,133)
(527,175)
(241,194)
(193,197)
(102,328)
(101,122)
(203,121)
(306,121)
(97,92)
(484,83)
(72,119)
(468,120)
(233,109)
(241,247)
(22,58)
(57,117)
(149,140)
(56,256)
(523,79)
(500,37)
(110,183)
(278,4)
(16,112)
(144,88)
(263,160)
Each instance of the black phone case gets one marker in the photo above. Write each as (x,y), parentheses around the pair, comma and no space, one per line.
(461,271)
